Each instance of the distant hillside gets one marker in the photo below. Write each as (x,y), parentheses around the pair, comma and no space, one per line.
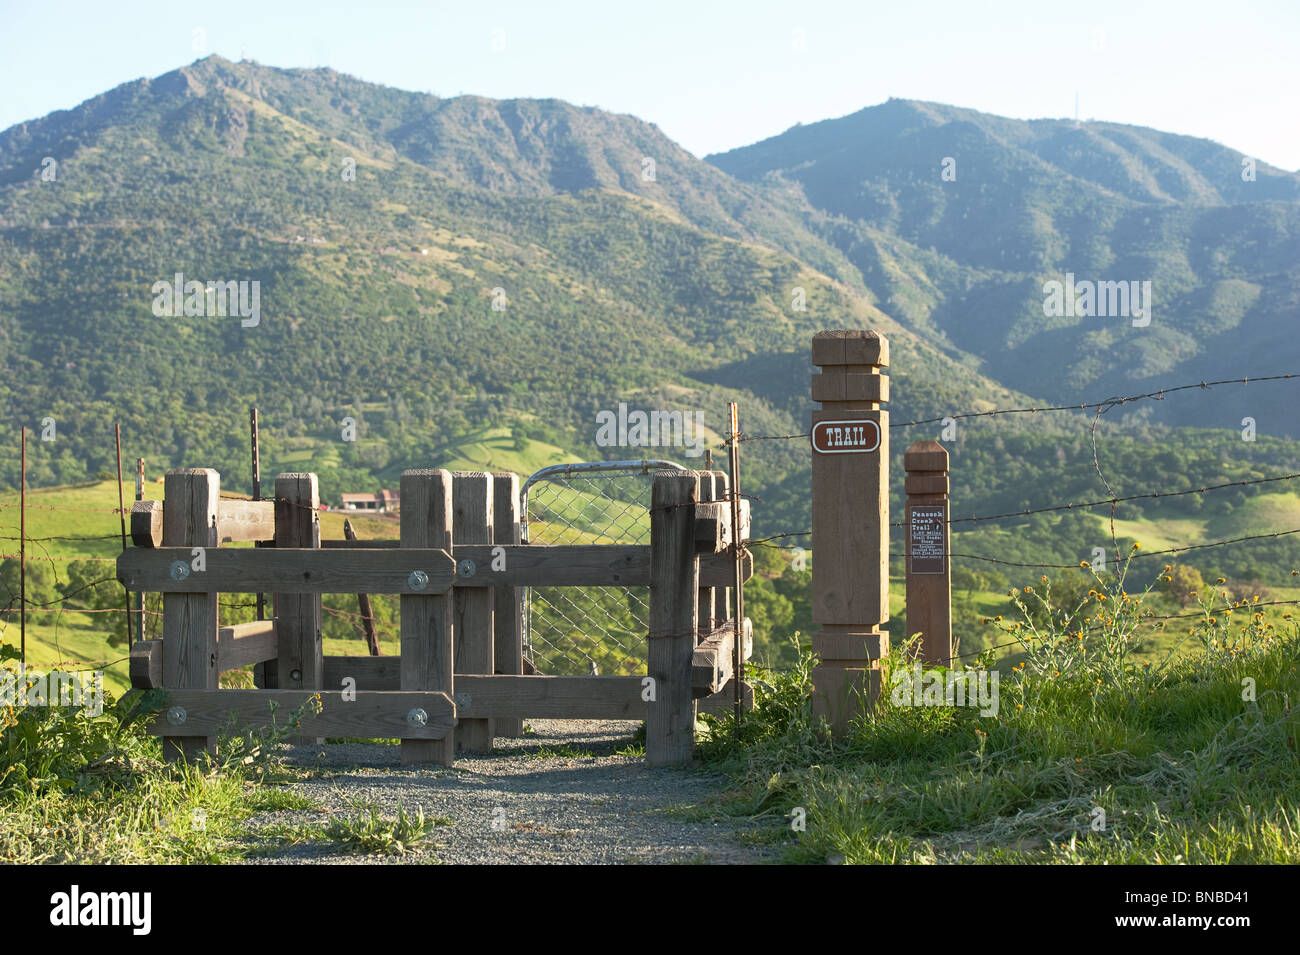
(441,270)
(383,228)
(963,260)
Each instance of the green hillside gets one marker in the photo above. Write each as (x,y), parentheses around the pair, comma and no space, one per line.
(964,259)
(377,290)
(471,282)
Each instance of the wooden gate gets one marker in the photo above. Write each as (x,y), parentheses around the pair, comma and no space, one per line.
(458,568)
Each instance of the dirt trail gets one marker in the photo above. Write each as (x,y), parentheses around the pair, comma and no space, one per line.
(521,804)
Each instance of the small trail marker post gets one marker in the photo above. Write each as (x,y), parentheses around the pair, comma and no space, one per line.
(850,508)
(929,571)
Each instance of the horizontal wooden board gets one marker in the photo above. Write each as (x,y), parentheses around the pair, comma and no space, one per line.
(146,664)
(713,525)
(714,658)
(285,570)
(563,565)
(146,523)
(245,520)
(723,702)
(385,570)
(550,697)
(369,673)
(509,696)
(579,565)
(555,565)
(246,643)
(371,714)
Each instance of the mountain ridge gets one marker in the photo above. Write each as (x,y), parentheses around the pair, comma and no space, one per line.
(379,289)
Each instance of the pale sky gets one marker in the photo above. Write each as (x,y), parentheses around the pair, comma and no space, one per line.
(714,76)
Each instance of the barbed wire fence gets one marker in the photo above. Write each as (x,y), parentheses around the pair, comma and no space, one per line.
(1112,501)
(585,630)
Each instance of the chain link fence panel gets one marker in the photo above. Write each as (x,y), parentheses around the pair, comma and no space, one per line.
(578,631)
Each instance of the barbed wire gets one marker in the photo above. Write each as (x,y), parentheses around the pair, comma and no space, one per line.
(67,507)
(48,557)
(33,540)
(1141,618)
(765,542)
(1153,495)
(1106,404)
(1100,407)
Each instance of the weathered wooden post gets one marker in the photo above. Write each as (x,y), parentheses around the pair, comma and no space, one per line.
(507,609)
(850,507)
(427,621)
(721,595)
(929,580)
(471,498)
(674,586)
(708,613)
(300,658)
(189,649)
(300,661)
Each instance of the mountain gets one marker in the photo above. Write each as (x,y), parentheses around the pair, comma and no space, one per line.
(963,258)
(425,267)
(439,269)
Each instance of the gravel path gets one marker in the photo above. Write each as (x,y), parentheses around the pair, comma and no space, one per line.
(517,805)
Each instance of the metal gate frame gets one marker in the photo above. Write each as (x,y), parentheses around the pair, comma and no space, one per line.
(611,468)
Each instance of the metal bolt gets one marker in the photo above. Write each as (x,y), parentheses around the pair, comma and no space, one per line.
(295,675)
(467,568)
(417,717)
(180,570)
(176,715)
(418,580)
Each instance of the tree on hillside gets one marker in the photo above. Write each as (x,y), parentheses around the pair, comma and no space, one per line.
(1185,585)
(40,585)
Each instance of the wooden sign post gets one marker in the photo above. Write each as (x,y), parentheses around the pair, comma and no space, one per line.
(929,574)
(850,508)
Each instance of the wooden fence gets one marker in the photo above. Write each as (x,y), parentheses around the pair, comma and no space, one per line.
(458,682)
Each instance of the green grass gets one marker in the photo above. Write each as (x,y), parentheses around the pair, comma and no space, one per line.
(370,832)
(1192,757)
(1261,513)
(82,789)
(493,449)
(72,639)
(564,751)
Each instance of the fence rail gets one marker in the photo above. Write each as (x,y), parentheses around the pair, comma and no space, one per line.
(448,683)
(594,544)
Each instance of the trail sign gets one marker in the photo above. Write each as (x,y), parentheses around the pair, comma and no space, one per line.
(861,436)
(925,525)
